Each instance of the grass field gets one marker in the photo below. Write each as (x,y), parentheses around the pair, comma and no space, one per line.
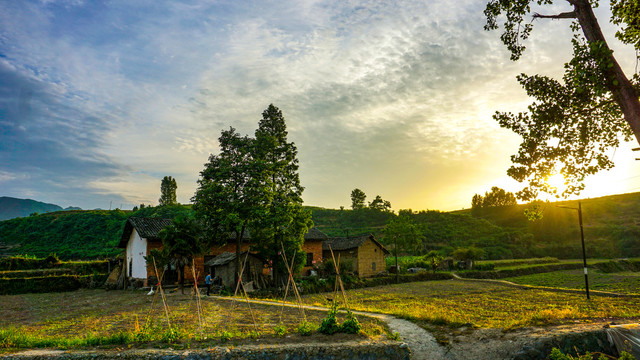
(98,317)
(454,302)
(622,282)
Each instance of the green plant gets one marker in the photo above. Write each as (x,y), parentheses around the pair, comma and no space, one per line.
(225,336)
(351,325)
(395,336)
(556,354)
(306,328)
(329,325)
(280,330)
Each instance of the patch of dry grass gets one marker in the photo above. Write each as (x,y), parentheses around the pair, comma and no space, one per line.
(95,317)
(454,302)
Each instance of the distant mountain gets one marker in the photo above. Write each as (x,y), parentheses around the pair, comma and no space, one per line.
(12,208)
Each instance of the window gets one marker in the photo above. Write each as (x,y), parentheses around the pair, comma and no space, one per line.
(373,265)
(309,259)
(130,267)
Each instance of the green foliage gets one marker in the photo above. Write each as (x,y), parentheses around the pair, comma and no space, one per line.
(183,241)
(280,330)
(28,262)
(74,234)
(470,253)
(404,231)
(497,197)
(168,188)
(350,325)
(329,325)
(349,222)
(380,205)
(572,124)
(358,198)
(56,283)
(306,328)
(556,354)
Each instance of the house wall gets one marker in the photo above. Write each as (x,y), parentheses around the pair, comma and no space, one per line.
(314,247)
(136,250)
(369,254)
(341,255)
(226,271)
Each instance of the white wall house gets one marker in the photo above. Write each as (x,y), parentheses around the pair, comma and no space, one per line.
(139,237)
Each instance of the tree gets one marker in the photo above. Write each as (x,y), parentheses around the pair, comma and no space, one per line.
(404,232)
(476,201)
(182,242)
(282,221)
(357,199)
(497,197)
(380,205)
(571,124)
(229,192)
(168,189)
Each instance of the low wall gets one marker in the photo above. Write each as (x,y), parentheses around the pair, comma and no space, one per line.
(589,341)
(368,351)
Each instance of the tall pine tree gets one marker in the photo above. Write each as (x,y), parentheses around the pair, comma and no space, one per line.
(168,189)
(283,221)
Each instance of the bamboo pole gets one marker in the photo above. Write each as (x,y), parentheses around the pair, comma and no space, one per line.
(164,300)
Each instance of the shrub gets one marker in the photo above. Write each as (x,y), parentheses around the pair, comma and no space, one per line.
(280,330)
(484,266)
(40,284)
(306,328)
(351,325)
(329,325)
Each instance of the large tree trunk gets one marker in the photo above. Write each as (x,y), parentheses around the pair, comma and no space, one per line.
(623,92)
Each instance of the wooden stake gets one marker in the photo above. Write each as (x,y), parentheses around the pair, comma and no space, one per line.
(164,300)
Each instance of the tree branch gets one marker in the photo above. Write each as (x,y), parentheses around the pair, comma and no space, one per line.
(565,15)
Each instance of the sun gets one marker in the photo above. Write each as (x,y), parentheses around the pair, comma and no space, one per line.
(556,181)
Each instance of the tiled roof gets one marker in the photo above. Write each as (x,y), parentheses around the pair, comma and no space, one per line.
(146,227)
(351,242)
(225,258)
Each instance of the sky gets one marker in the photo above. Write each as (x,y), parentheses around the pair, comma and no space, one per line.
(99,100)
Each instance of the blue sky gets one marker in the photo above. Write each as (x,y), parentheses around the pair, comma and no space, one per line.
(101,99)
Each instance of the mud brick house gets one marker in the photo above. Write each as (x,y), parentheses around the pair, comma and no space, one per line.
(365,251)
(140,236)
(223,266)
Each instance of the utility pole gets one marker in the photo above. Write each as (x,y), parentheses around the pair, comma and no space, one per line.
(584,253)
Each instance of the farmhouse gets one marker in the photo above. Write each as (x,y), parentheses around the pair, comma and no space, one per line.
(366,253)
(140,236)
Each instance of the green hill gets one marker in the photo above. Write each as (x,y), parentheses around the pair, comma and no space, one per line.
(12,208)
(611,227)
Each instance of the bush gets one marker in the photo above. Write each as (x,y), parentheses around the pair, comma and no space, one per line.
(28,263)
(40,284)
(505,273)
(484,266)
(306,328)
(351,325)
(329,325)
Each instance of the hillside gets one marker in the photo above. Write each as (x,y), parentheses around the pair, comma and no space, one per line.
(611,226)
(12,208)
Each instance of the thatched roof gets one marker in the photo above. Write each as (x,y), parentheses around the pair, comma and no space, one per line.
(350,242)
(147,228)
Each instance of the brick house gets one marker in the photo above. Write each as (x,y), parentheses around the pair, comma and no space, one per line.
(140,236)
(365,251)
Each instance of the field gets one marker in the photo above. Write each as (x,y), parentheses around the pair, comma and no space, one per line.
(485,305)
(622,282)
(98,317)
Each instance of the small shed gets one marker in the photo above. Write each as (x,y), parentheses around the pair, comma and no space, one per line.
(223,266)
(365,251)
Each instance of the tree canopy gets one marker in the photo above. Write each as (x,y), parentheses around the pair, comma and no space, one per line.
(572,123)
(379,204)
(168,189)
(497,197)
(358,198)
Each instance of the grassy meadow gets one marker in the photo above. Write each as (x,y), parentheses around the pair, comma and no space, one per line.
(89,318)
(622,282)
(485,305)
